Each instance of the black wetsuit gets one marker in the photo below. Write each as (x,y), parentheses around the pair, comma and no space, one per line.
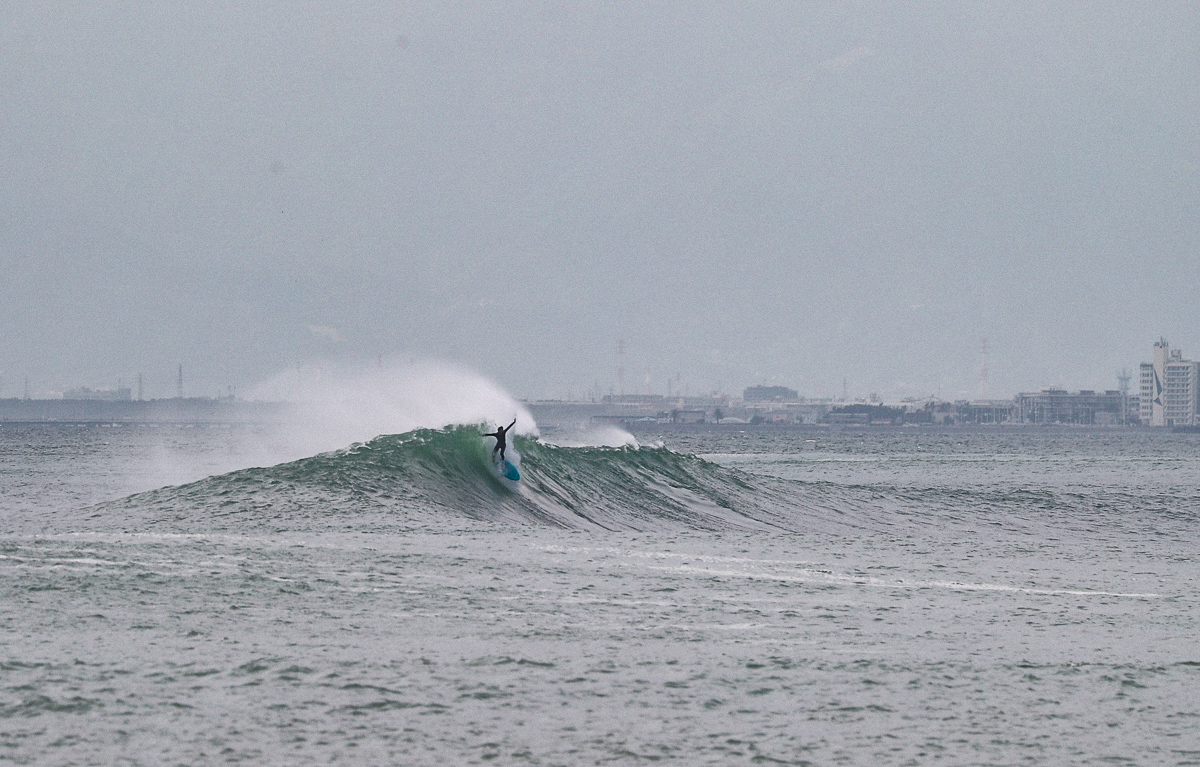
(501,439)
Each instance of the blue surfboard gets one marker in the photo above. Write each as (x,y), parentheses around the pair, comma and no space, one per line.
(508,471)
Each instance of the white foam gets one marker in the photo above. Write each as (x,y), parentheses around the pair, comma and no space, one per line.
(596,436)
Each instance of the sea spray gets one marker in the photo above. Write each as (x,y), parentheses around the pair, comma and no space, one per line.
(337,405)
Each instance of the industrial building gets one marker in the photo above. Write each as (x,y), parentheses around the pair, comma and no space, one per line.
(770,394)
(1084,407)
(119,394)
(1170,388)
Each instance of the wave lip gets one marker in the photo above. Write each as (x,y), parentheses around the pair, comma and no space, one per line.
(436,477)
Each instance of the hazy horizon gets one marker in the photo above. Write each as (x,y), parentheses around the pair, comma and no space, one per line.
(744,194)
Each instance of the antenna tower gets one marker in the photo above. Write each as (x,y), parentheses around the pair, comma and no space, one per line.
(621,366)
(983,367)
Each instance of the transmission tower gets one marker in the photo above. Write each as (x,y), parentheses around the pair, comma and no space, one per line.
(983,367)
(621,366)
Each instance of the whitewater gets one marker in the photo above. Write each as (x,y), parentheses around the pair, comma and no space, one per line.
(712,595)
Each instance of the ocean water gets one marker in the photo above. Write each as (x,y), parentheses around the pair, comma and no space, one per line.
(765,596)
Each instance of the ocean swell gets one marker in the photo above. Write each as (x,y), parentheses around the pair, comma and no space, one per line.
(444,479)
(433,478)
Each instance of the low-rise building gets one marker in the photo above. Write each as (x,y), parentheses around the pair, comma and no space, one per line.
(986,411)
(1086,407)
(770,394)
(120,394)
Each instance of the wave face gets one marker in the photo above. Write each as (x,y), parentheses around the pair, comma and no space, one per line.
(433,478)
(440,479)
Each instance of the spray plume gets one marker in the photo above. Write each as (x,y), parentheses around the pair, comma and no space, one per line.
(335,406)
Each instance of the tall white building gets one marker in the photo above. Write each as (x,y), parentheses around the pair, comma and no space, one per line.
(1170,388)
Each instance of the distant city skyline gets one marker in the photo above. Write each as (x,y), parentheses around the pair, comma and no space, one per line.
(144,386)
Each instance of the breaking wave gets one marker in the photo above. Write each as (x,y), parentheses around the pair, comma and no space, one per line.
(439,479)
(434,477)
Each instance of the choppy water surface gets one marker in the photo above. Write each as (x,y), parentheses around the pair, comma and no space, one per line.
(861,598)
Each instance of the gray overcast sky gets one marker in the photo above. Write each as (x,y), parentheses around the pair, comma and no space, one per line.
(744,193)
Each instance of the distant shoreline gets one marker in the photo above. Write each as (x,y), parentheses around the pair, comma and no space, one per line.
(156,411)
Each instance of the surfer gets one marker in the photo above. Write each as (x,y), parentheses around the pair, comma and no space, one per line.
(501,440)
